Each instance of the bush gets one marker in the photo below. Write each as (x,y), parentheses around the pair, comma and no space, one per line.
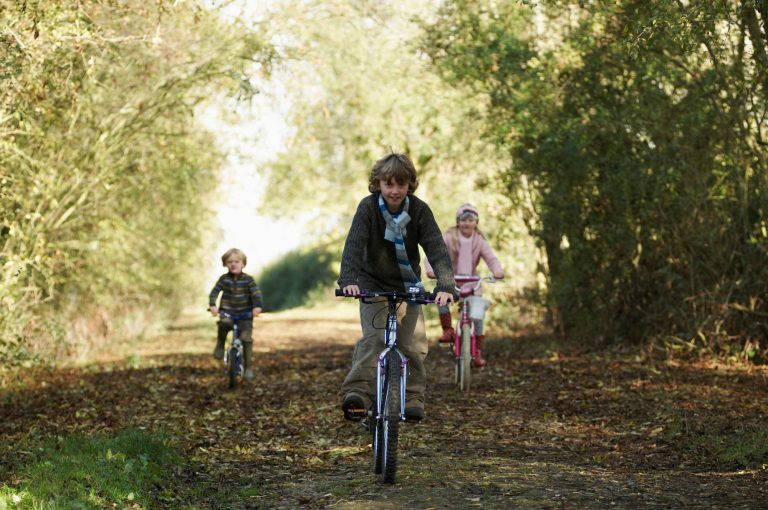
(290,282)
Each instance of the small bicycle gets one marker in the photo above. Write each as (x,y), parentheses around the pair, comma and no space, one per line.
(233,356)
(391,378)
(471,308)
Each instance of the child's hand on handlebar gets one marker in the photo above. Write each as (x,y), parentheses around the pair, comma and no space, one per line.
(214,311)
(256,311)
(443,298)
(351,290)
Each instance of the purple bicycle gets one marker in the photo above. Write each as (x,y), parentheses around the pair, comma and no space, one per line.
(391,378)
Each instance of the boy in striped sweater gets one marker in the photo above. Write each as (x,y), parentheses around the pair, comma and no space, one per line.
(239,295)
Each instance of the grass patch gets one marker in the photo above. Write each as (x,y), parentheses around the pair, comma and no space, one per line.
(745,448)
(92,472)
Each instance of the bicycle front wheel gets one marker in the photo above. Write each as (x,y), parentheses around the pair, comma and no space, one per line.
(391,418)
(465,359)
(376,425)
(232,367)
(377,441)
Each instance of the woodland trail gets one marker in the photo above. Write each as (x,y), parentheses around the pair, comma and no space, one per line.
(544,427)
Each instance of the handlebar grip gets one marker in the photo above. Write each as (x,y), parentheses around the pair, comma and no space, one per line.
(339,293)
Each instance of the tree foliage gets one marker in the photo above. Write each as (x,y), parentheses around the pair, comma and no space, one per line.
(105,174)
(359,86)
(639,130)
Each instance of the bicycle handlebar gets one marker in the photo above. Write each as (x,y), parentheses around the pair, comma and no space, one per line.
(238,317)
(462,279)
(419,297)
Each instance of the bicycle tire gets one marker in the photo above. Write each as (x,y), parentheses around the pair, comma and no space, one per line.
(456,348)
(465,359)
(377,440)
(391,421)
(232,367)
(377,429)
(456,367)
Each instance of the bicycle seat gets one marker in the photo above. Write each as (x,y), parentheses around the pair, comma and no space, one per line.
(467,289)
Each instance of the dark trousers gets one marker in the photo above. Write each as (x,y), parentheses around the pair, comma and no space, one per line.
(244,330)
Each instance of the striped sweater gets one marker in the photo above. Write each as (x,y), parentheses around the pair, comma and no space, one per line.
(238,295)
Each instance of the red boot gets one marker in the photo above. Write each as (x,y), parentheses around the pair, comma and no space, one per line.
(479,360)
(448,333)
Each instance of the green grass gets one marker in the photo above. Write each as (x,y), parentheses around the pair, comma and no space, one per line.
(92,472)
(748,448)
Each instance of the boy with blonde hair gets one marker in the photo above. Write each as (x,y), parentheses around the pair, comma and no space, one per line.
(239,295)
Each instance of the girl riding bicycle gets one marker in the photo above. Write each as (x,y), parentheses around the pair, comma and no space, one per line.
(467,245)
(381,253)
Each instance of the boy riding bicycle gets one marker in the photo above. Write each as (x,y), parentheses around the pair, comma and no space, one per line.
(239,294)
(381,253)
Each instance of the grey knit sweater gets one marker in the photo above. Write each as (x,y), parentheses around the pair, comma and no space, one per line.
(369,260)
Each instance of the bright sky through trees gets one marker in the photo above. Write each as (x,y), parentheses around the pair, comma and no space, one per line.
(250,138)
(251,134)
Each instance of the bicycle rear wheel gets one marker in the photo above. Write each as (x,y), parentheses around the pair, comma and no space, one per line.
(391,421)
(465,359)
(232,363)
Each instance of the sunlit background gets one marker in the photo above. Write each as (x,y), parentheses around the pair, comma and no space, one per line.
(250,134)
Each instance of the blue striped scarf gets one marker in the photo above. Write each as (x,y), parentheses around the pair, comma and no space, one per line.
(396,232)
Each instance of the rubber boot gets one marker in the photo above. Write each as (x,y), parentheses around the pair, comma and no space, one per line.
(448,332)
(218,351)
(479,360)
(247,360)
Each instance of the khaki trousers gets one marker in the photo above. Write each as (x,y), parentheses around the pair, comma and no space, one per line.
(411,340)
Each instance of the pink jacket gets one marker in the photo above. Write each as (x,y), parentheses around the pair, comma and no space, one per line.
(480,249)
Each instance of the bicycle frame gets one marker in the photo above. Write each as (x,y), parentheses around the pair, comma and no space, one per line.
(390,339)
(462,321)
(237,346)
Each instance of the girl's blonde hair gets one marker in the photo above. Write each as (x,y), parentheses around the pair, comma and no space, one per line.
(234,251)
(393,166)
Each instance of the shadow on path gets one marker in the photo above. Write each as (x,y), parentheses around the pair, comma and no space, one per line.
(539,429)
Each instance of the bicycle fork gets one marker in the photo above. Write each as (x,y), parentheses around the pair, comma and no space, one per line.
(465,320)
(381,375)
(382,364)
(238,345)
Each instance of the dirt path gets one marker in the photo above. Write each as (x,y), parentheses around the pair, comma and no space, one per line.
(541,429)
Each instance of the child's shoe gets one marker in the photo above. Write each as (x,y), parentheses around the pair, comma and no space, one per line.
(414,414)
(218,351)
(354,407)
